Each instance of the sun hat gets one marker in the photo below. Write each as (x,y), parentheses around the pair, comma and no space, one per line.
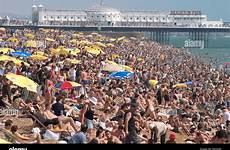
(93,100)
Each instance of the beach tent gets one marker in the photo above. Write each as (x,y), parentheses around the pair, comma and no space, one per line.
(121,75)
(23,82)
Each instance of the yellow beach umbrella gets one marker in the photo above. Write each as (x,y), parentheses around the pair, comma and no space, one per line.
(74,84)
(93,50)
(121,38)
(16,61)
(85,42)
(110,45)
(112,39)
(40,53)
(23,82)
(114,56)
(6,50)
(38,57)
(100,44)
(153,82)
(49,39)
(2,141)
(63,51)
(140,59)
(112,66)
(28,35)
(127,68)
(74,41)
(73,61)
(31,43)
(1,40)
(180,85)
(13,40)
(75,52)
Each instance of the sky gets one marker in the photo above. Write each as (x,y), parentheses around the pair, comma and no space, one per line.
(215,9)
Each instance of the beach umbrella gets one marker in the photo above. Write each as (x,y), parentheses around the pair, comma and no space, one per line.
(153,82)
(180,85)
(94,33)
(16,61)
(127,68)
(189,83)
(94,51)
(112,66)
(49,40)
(74,41)
(121,38)
(110,45)
(67,85)
(114,56)
(226,64)
(112,39)
(140,59)
(1,72)
(2,141)
(121,75)
(28,35)
(75,52)
(38,57)
(31,43)
(6,50)
(13,40)
(20,54)
(23,82)
(73,61)
(40,53)
(100,44)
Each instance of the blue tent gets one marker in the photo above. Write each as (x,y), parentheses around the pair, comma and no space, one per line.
(20,54)
(121,75)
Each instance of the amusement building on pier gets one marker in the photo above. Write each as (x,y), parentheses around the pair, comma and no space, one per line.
(103,15)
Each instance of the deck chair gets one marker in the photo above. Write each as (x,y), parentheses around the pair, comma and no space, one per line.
(38,118)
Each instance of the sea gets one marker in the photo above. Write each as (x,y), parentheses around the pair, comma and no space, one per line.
(217,49)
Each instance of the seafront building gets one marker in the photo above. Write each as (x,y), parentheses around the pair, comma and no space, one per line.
(103,15)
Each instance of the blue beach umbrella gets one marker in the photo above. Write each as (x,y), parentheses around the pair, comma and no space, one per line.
(20,54)
(121,75)
(188,83)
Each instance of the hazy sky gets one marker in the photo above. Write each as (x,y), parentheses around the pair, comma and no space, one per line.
(215,9)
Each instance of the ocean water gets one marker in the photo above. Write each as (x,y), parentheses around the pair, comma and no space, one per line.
(217,49)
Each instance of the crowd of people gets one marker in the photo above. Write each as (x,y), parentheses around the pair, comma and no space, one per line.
(106,110)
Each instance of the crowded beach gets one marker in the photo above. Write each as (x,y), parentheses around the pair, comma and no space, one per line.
(69,87)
